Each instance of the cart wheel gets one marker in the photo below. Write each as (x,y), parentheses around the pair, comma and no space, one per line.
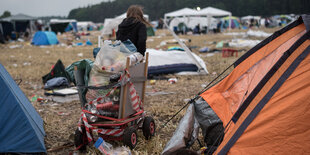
(80,139)
(130,137)
(148,127)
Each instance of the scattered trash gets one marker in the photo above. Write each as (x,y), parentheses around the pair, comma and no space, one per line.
(103,146)
(80,54)
(40,99)
(15,65)
(47,52)
(20,40)
(173,80)
(163,43)
(210,54)
(63,99)
(186,100)
(15,46)
(207,55)
(204,49)
(79,44)
(26,63)
(121,151)
(220,44)
(152,82)
(258,33)
(12,56)
(235,34)
(88,42)
(63,113)
(155,93)
(34,98)
(203,85)
(243,43)
(178,48)
(29,57)
(214,73)
(149,40)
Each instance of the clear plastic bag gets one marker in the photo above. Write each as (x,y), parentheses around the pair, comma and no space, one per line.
(112,57)
(110,60)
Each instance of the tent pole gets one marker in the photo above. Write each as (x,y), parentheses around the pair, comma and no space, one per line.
(188,52)
(184,30)
(209,22)
(229,21)
(1,29)
(30,25)
(165,20)
(99,41)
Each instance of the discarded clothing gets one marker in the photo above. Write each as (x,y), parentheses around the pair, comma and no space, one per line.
(56,82)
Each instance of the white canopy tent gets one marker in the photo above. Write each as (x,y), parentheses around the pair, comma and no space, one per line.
(181,12)
(191,22)
(83,25)
(249,17)
(214,12)
(21,17)
(124,15)
(112,23)
(185,12)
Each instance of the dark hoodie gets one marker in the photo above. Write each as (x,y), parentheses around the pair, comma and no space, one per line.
(133,30)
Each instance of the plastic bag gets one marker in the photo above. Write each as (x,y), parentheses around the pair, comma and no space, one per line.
(110,60)
(111,57)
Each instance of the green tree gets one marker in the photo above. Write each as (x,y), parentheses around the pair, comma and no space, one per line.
(157,8)
(5,14)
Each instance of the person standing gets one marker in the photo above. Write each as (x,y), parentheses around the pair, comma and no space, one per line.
(134,28)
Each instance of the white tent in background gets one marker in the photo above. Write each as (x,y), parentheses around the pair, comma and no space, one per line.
(112,23)
(191,22)
(249,17)
(182,14)
(21,18)
(213,12)
(124,15)
(83,25)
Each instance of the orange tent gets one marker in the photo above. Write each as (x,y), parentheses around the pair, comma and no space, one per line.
(264,102)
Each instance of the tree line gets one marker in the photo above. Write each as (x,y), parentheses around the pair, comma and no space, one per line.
(157,8)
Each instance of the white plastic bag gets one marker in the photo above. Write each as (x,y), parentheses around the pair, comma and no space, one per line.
(112,57)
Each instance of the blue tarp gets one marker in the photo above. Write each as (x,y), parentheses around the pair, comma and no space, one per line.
(44,38)
(21,127)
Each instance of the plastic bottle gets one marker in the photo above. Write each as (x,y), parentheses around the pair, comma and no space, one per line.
(103,146)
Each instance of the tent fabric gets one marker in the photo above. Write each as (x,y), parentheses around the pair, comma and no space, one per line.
(150,31)
(18,17)
(59,27)
(7,28)
(2,40)
(181,12)
(21,126)
(112,23)
(213,12)
(170,62)
(192,22)
(264,100)
(58,70)
(44,38)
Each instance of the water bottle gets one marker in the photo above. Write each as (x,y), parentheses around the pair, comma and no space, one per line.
(103,146)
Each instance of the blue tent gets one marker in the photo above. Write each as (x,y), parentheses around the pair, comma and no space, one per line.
(44,38)
(21,127)
(72,27)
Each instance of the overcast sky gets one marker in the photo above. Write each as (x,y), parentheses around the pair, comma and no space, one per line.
(39,8)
